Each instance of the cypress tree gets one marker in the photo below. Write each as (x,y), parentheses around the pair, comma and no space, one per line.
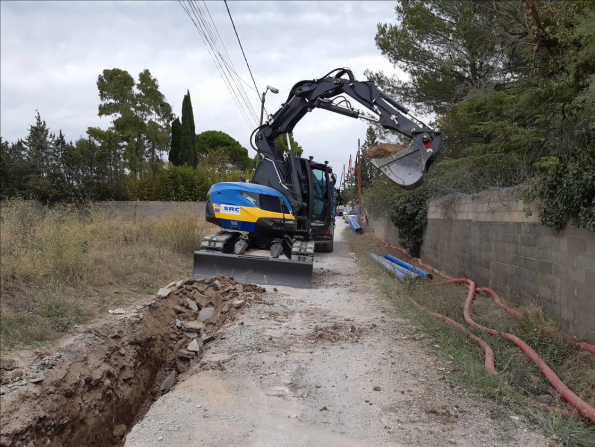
(176,142)
(188,135)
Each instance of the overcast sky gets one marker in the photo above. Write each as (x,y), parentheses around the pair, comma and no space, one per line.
(52,53)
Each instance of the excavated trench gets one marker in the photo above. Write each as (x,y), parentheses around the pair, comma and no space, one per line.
(100,383)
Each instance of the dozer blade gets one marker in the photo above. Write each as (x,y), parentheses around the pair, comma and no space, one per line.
(253,269)
(406,168)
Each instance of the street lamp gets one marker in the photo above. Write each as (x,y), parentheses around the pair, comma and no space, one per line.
(273,90)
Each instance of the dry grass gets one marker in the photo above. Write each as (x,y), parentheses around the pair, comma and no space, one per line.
(64,266)
(516,372)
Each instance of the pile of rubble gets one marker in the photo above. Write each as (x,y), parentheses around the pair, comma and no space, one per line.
(202,306)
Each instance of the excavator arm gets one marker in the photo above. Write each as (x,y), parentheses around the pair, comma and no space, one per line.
(406,168)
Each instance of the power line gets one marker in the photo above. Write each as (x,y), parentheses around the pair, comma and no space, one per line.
(242,48)
(218,65)
(216,38)
(212,42)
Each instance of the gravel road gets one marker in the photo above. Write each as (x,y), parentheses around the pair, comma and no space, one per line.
(327,366)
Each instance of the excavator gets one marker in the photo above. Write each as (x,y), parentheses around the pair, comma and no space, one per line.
(273,225)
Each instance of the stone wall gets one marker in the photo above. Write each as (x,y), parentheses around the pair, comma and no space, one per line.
(489,239)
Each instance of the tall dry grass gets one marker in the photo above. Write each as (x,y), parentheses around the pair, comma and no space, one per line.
(62,266)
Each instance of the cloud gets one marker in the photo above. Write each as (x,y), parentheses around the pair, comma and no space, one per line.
(52,53)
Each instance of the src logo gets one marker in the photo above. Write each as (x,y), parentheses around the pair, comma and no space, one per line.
(227,209)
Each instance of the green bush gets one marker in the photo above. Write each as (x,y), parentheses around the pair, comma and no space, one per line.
(410,215)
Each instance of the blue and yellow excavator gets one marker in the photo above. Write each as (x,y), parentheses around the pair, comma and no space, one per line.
(272,226)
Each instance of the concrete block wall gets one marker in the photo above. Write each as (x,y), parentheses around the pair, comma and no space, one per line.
(489,239)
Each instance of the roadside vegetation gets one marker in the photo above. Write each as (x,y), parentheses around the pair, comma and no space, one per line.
(511,84)
(65,265)
(517,375)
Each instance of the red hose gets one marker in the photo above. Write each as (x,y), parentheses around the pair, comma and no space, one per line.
(584,408)
(489,354)
(515,313)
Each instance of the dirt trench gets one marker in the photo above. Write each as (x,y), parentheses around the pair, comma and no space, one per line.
(102,381)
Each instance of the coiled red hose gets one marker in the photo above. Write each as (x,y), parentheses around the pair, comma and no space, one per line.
(581,406)
(584,408)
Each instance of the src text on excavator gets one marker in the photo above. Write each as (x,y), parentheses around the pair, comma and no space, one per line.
(272,226)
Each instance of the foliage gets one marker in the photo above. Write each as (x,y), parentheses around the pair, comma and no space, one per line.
(409,214)
(215,139)
(187,153)
(140,113)
(512,86)
(281,140)
(176,142)
(122,162)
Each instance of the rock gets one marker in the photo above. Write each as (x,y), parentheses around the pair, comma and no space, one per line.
(193,326)
(170,285)
(194,346)
(190,335)
(191,304)
(275,289)
(182,366)
(168,382)
(226,308)
(201,287)
(178,323)
(324,408)
(208,339)
(35,379)
(180,283)
(376,388)
(179,310)
(120,430)
(118,311)
(163,293)
(206,313)
(185,354)
(216,285)
(238,303)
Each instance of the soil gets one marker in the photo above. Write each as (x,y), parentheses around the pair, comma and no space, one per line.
(103,379)
(383,150)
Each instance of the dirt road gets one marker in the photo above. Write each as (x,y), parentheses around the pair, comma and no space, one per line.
(327,366)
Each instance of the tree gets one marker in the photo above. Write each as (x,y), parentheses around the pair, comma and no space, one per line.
(447,48)
(140,112)
(188,154)
(281,140)
(214,139)
(176,142)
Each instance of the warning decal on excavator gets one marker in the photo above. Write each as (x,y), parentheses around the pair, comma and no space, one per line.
(227,209)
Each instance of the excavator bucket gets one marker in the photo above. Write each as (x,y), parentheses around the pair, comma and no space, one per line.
(261,270)
(408,167)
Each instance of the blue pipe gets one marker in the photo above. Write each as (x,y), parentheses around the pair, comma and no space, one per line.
(355,226)
(388,266)
(409,267)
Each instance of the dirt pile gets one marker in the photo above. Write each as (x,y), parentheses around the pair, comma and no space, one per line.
(102,380)
(383,150)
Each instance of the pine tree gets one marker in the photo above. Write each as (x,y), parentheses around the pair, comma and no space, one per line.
(176,142)
(187,152)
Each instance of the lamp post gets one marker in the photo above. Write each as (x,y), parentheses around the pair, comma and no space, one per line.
(273,90)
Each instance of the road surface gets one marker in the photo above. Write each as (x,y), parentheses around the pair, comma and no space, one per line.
(328,366)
